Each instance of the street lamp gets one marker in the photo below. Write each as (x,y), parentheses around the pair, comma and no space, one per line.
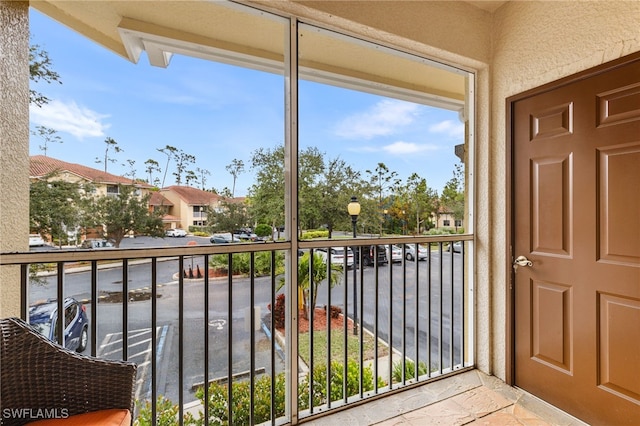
(354,210)
(386,212)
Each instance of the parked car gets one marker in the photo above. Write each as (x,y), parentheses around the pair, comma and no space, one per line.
(35,240)
(369,254)
(219,239)
(175,232)
(96,243)
(455,247)
(410,252)
(43,318)
(396,253)
(337,255)
(244,235)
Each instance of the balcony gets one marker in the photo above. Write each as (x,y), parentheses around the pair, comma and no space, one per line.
(186,318)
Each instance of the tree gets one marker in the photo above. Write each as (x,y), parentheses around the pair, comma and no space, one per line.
(190,177)
(266,195)
(381,181)
(228,217)
(421,200)
(310,168)
(132,170)
(48,135)
(126,213)
(152,166)
(40,69)
(55,207)
(202,177)
(235,168)
(306,280)
(337,184)
(111,143)
(453,194)
(170,152)
(183,160)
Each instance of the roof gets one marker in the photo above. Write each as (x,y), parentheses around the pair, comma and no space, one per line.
(40,166)
(193,196)
(157,199)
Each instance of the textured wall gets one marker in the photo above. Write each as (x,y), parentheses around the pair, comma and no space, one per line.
(536,43)
(14,145)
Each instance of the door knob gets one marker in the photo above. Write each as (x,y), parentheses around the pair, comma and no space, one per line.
(521,261)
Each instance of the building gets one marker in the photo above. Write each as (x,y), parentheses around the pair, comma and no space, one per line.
(98,182)
(102,183)
(189,204)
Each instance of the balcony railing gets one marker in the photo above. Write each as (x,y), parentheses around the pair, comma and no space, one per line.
(188,320)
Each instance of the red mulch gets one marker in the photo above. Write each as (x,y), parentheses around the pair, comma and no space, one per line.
(320,321)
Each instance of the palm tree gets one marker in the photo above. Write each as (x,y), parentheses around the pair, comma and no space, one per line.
(305,280)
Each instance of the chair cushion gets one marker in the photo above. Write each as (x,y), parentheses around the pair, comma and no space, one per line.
(112,417)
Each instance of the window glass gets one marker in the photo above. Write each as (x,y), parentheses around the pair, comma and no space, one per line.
(69,314)
(380,125)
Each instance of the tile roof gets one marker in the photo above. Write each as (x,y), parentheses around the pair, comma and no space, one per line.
(193,196)
(40,165)
(157,199)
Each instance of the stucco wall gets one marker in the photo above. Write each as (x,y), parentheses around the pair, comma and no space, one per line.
(14,145)
(535,43)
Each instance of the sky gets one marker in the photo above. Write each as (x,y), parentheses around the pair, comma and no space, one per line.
(219,113)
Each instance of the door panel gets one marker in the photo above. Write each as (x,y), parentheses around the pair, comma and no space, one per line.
(576,215)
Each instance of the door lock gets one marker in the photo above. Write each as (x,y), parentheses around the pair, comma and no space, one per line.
(521,261)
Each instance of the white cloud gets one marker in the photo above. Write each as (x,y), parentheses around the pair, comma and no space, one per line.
(404,148)
(384,118)
(400,148)
(70,118)
(448,127)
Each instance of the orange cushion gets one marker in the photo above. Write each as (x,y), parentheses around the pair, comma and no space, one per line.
(112,417)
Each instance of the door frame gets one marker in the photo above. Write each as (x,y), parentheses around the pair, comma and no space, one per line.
(510,188)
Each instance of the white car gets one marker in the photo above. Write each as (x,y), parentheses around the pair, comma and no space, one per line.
(410,252)
(396,253)
(337,255)
(455,247)
(175,232)
(35,240)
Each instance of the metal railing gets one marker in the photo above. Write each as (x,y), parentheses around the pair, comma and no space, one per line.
(198,318)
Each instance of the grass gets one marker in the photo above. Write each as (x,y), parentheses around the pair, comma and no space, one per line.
(337,346)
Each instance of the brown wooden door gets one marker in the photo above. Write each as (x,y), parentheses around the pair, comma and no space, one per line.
(576,216)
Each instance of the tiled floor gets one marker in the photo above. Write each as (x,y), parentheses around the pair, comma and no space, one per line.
(470,398)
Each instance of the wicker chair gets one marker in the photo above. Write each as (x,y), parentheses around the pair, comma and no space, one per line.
(39,377)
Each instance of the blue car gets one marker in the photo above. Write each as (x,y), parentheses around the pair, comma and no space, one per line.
(43,317)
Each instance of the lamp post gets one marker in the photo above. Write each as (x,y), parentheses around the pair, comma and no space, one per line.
(354,210)
(386,212)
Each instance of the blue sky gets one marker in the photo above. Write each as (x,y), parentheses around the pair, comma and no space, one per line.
(219,113)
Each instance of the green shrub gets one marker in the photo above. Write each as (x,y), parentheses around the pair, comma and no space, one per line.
(409,370)
(319,386)
(242,261)
(166,413)
(317,233)
(263,230)
(241,392)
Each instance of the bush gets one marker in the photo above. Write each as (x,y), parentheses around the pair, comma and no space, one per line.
(166,413)
(311,234)
(241,392)
(263,230)
(319,385)
(409,370)
(242,261)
